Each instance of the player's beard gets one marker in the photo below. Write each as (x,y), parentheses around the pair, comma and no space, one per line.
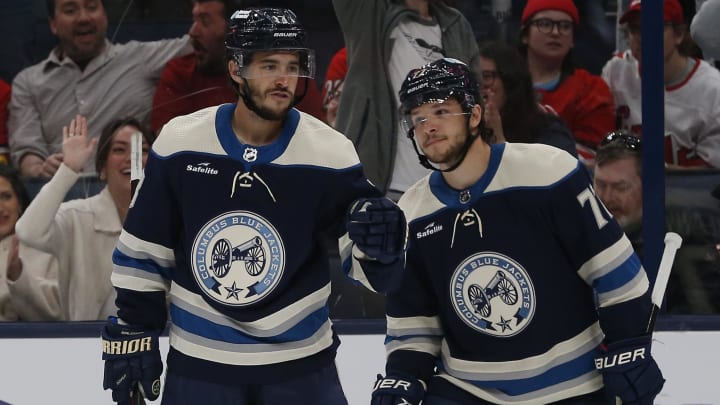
(252,98)
(449,157)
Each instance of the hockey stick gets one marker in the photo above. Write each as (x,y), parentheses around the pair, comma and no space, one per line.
(136,397)
(136,169)
(672,244)
(136,173)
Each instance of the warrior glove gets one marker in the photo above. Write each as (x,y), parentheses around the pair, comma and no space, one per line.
(629,371)
(397,390)
(132,359)
(378,228)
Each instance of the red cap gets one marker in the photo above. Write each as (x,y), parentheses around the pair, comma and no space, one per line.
(535,6)
(672,10)
(335,74)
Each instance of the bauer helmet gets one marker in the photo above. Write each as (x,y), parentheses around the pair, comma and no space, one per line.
(268,30)
(436,82)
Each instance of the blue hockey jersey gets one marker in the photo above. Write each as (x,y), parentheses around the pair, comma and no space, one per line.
(509,281)
(231,234)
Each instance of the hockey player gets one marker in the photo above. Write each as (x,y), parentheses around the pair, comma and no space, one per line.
(226,222)
(508,250)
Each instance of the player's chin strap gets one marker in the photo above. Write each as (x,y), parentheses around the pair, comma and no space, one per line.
(426,163)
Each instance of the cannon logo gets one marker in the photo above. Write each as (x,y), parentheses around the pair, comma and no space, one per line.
(238,258)
(493,294)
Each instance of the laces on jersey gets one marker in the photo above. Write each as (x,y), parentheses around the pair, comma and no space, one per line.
(246,180)
(467,218)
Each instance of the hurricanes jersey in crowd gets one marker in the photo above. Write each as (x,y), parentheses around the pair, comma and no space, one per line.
(503,279)
(230,232)
(692,109)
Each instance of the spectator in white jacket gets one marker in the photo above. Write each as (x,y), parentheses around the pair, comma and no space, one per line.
(28,277)
(83,233)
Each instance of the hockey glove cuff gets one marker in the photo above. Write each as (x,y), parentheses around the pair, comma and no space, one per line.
(629,371)
(378,228)
(132,358)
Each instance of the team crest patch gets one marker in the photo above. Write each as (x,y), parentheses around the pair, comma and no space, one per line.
(238,258)
(493,294)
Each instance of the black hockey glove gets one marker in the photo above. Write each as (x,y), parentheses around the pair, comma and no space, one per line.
(397,390)
(378,228)
(132,359)
(629,371)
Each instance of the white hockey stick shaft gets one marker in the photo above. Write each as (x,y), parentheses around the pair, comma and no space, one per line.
(136,169)
(673,242)
(136,173)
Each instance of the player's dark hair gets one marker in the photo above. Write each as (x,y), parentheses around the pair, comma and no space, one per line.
(12,175)
(108,133)
(521,118)
(50,5)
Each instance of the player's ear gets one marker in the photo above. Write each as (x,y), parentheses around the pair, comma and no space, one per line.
(475,115)
(233,70)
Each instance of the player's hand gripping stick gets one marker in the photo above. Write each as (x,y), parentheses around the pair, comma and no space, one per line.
(630,374)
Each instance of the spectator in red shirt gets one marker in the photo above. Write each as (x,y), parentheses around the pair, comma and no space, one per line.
(582,99)
(198,80)
(333,85)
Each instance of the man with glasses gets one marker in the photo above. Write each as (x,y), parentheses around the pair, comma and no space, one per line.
(618,182)
(692,90)
(227,222)
(519,286)
(581,99)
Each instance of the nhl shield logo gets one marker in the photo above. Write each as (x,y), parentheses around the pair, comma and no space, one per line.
(493,294)
(250,154)
(238,258)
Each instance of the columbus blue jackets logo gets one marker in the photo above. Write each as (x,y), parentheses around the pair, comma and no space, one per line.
(238,258)
(493,294)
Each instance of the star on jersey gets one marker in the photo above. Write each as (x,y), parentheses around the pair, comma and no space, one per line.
(233,291)
(504,324)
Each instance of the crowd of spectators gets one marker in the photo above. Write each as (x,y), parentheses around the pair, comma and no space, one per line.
(71,115)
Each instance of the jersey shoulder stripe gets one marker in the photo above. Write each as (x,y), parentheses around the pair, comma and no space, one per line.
(194,132)
(314,143)
(532,166)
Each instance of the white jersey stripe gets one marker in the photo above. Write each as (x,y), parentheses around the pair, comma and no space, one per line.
(249,354)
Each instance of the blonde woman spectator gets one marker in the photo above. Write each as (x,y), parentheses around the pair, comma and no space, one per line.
(82,233)
(28,280)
